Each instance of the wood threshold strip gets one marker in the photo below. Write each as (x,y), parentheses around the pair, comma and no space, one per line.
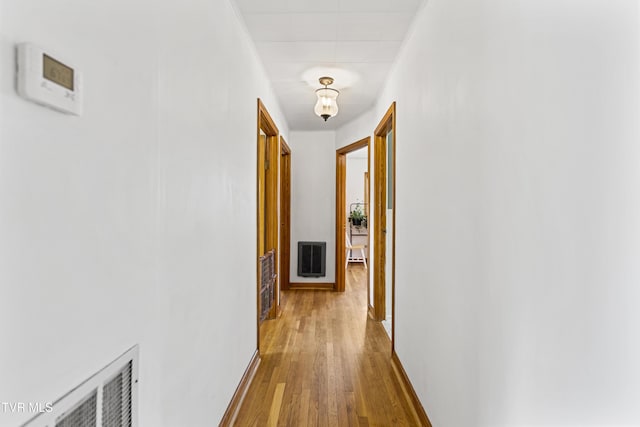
(312,286)
(231,413)
(418,410)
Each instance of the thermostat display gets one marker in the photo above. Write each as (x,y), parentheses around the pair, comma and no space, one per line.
(57,72)
(46,79)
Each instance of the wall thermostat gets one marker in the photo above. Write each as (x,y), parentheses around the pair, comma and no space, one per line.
(47,79)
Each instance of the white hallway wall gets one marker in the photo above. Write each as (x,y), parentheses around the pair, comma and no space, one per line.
(313,197)
(518,148)
(131,224)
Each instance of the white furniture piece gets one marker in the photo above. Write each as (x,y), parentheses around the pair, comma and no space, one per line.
(351,257)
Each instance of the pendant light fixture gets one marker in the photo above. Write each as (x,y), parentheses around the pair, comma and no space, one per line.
(327,105)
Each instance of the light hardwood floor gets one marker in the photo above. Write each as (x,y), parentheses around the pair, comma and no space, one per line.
(325,363)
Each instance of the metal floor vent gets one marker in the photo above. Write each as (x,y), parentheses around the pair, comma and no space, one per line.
(107,399)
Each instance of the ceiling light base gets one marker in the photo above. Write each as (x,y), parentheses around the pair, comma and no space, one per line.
(325,80)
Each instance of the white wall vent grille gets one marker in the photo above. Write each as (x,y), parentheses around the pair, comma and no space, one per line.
(84,415)
(107,399)
(116,399)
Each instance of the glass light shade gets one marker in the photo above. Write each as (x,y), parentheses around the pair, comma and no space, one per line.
(327,105)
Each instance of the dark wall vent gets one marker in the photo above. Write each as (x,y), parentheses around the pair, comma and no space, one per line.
(312,259)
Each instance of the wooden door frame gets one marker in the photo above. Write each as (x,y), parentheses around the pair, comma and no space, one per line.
(341,214)
(388,123)
(270,163)
(285,214)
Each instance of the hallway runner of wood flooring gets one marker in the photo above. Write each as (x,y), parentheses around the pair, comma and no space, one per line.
(325,363)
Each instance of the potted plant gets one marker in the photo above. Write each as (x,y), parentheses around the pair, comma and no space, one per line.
(357,216)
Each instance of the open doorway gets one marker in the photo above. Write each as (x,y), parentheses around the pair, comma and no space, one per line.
(285,214)
(268,151)
(384,221)
(346,203)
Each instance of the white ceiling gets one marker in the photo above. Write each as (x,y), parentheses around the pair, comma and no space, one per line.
(354,41)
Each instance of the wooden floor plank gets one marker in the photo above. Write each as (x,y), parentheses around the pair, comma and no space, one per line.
(276,404)
(326,363)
